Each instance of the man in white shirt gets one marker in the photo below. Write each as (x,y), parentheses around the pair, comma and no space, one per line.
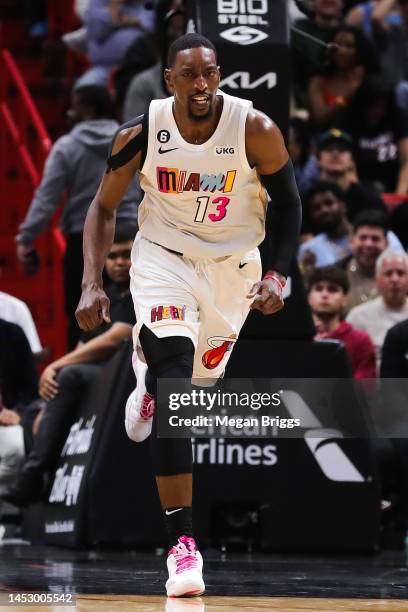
(377,316)
(16,311)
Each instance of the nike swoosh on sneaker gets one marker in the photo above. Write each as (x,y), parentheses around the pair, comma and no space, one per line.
(241,265)
(168,512)
(161,151)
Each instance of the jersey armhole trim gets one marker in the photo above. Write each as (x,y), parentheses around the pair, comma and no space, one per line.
(150,126)
(241,137)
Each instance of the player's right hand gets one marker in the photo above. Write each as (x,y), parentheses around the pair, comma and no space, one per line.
(93,308)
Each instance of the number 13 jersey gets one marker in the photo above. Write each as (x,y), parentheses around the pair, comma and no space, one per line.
(204,200)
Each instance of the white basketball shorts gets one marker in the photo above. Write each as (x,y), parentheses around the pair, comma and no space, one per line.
(204,300)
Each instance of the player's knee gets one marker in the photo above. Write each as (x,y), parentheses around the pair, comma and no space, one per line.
(171,457)
(170,357)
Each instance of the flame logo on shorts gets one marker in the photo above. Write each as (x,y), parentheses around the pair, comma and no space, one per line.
(220,345)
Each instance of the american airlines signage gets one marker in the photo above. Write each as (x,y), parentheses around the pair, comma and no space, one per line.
(242,80)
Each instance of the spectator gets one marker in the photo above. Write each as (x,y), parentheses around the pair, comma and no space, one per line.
(309,57)
(372,15)
(380,134)
(76,40)
(135,94)
(16,311)
(18,387)
(149,84)
(391,414)
(304,164)
(368,241)
(393,42)
(75,166)
(337,165)
(326,207)
(332,91)
(112,26)
(391,306)
(64,381)
(18,376)
(394,353)
(328,289)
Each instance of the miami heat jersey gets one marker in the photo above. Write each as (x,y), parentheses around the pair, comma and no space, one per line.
(203,200)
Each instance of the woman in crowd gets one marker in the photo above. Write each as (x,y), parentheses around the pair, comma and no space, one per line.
(330,92)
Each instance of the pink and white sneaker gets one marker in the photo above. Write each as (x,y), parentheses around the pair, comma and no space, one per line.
(185,565)
(140,405)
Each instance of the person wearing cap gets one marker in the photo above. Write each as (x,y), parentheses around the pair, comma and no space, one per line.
(335,159)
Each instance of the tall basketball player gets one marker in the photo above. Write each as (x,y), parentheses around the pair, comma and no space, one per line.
(207,161)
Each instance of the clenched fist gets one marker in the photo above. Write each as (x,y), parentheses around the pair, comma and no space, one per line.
(93,308)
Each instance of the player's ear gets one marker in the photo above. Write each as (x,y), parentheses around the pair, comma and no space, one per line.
(168,81)
(167,77)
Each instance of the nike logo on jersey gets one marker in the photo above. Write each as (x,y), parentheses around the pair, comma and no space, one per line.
(168,512)
(241,265)
(161,151)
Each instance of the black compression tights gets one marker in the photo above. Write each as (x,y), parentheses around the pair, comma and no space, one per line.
(168,358)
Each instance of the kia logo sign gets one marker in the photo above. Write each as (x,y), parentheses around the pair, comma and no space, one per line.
(242,80)
(243,35)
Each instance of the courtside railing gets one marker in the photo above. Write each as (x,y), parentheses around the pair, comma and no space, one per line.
(24,146)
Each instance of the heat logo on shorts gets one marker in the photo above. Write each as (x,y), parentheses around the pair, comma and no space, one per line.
(176,313)
(173,180)
(220,346)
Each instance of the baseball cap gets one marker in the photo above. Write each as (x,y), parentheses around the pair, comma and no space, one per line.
(337,136)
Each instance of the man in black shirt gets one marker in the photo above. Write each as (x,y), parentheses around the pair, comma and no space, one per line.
(64,381)
(337,165)
(394,354)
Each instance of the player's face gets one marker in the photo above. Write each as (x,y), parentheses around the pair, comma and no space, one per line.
(118,262)
(392,280)
(326,298)
(326,210)
(194,79)
(367,244)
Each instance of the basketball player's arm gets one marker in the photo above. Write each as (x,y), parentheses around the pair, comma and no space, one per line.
(266,151)
(99,229)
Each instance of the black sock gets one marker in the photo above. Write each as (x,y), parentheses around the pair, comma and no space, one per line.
(178,522)
(150,382)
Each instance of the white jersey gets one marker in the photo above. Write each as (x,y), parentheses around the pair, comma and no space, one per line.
(205,200)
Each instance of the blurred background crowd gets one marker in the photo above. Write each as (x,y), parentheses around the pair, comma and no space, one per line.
(348,140)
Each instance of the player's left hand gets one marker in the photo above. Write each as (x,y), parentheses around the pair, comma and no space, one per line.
(268,296)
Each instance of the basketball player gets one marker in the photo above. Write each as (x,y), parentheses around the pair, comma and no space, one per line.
(206,161)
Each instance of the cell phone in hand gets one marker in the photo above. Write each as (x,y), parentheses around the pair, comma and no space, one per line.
(31,262)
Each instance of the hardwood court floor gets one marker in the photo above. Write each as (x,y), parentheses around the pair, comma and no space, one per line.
(152,603)
(134,580)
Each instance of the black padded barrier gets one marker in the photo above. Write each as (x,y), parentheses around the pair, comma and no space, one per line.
(279,484)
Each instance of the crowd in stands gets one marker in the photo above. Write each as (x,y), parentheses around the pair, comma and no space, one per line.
(348,140)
